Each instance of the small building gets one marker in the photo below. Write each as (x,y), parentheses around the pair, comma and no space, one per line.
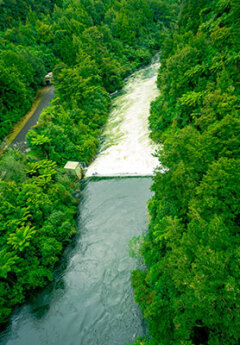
(74,168)
(48,79)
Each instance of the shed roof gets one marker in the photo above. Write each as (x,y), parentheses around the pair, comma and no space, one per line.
(71,165)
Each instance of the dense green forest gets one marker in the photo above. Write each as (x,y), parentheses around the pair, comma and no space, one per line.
(91,46)
(190,289)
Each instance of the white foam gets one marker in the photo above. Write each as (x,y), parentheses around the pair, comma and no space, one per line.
(127,148)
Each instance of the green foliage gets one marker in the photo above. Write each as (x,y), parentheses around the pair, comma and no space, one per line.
(135,245)
(37,220)
(189,291)
(12,11)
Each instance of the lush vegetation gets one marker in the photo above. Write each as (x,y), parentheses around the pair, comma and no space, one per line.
(190,290)
(99,45)
(37,219)
(91,46)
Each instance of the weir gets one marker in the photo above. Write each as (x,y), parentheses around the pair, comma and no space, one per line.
(90,301)
(127,149)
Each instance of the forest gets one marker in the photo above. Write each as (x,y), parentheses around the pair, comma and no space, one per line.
(188,288)
(90,46)
(189,291)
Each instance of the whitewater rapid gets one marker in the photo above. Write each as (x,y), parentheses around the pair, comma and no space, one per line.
(127,148)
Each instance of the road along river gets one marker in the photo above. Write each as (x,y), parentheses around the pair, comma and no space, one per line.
(90,301)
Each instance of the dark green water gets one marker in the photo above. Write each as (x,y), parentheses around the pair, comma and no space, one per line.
(91,300)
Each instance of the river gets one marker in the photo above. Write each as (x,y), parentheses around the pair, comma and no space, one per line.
(90,301)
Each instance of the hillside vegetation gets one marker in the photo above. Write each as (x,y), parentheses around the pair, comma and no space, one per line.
(190,289)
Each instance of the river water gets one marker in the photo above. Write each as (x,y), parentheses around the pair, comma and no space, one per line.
(90,301)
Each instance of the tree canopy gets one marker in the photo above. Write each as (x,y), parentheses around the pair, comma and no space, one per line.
(189,291)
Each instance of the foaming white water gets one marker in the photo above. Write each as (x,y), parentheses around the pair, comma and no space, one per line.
(127,148)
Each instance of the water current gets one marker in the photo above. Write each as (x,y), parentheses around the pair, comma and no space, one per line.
(127,148)
(90,301)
